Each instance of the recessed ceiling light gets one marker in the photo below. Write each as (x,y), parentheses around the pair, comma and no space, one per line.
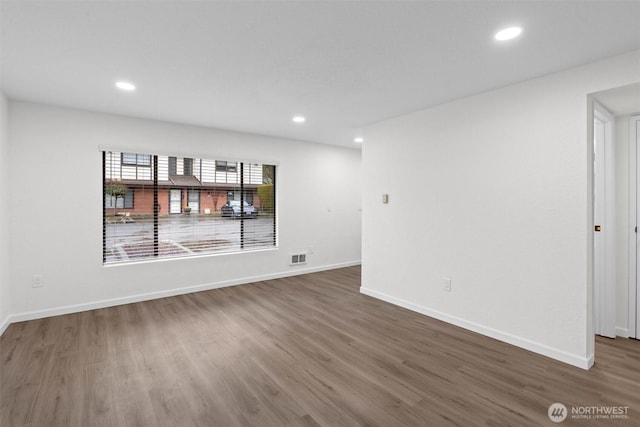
(299,119)
(508,33)
(359,140)
(125,86)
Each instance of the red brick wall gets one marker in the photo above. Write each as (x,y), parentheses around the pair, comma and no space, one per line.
(143,202)
(212,199)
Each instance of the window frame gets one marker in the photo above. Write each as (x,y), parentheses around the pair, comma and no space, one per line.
(248,240)
(187,166)
(128,197)
(173,166)
(137,161)
(224,166)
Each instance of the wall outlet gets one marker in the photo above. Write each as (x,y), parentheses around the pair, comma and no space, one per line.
(446,284)
(37,281)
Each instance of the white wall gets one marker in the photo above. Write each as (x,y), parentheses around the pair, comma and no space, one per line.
(5,293)
(494,192)
(56,221)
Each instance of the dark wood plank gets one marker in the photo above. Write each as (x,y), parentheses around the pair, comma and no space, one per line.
(299,351)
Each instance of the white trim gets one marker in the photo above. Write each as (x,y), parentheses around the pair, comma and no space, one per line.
(605,293)
(622,332)
(117,264)
(109,148)
(634,161)
(554,353)
(68,309)
(5,324)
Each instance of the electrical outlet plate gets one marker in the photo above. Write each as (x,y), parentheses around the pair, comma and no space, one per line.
(446,284)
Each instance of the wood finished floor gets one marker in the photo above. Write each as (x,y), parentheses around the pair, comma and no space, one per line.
(300,351)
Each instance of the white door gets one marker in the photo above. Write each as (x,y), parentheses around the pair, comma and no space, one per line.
(194,200)
(604,283)
(175,200)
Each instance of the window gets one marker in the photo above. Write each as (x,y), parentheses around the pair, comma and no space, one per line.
(113,199)
(224,166)
(173,166)
(188,167)
(199,213)
(133,159)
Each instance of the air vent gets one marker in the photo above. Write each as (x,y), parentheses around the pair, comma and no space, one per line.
(300,258)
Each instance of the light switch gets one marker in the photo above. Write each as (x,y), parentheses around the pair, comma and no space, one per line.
(385,198)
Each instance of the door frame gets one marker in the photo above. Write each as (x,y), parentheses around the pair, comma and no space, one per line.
(604,294)
(634,164)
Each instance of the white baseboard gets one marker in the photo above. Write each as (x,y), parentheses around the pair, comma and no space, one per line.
(622,332)
(4,324)
(76,308)
(554,353)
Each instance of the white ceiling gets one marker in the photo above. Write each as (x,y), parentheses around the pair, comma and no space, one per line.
(250,66)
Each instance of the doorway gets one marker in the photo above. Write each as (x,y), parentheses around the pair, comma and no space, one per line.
(623,105)
(604,273)
(175,201)
(193,200)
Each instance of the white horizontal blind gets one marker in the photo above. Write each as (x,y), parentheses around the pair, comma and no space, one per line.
(158,207)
